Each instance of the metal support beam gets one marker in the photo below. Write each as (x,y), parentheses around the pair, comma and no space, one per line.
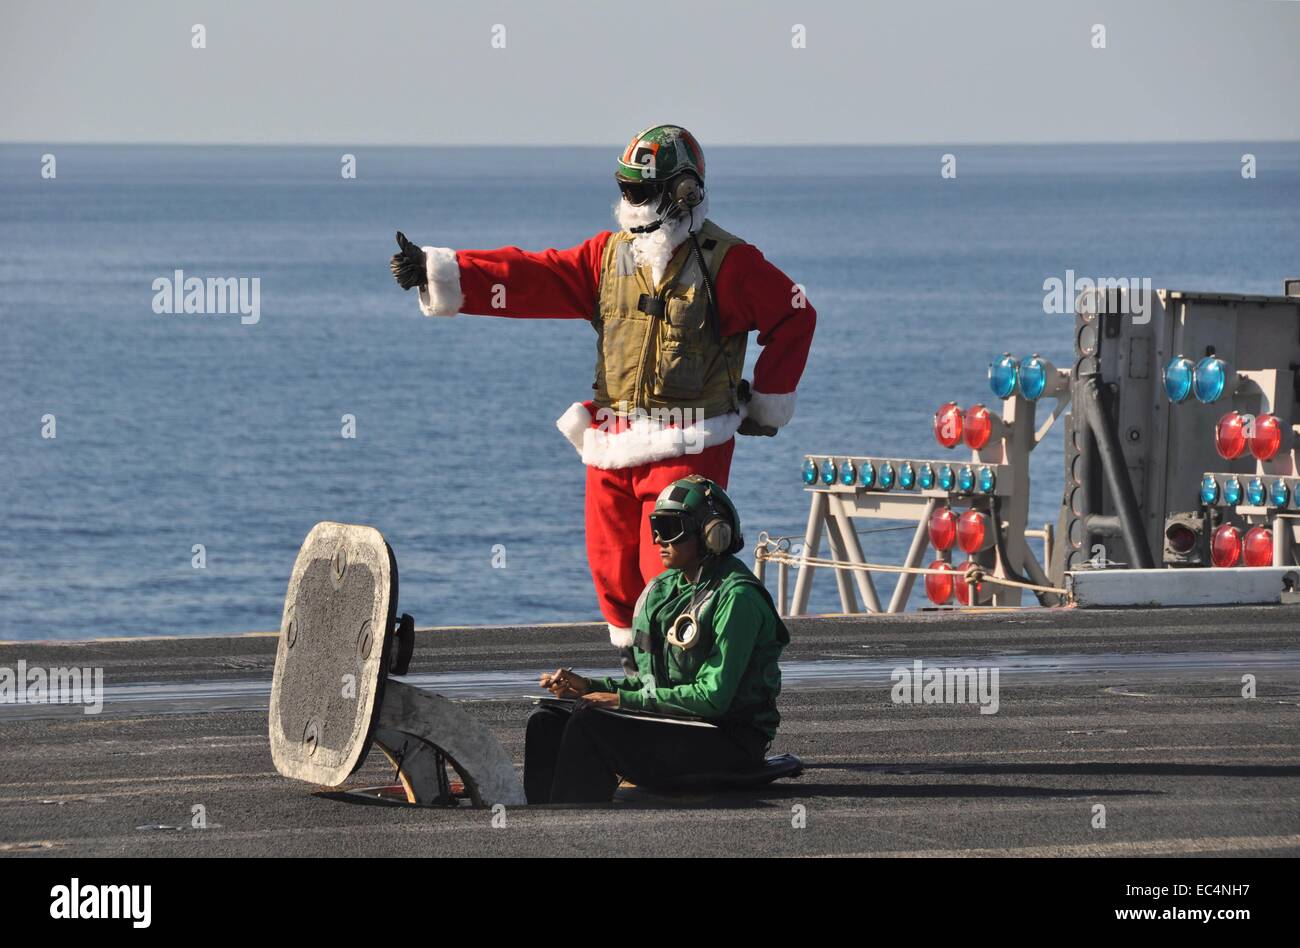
(812,542)
(852,546)
(915,553)
(1117,479)
(839,553)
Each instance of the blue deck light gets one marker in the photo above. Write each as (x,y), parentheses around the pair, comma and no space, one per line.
(1278,493)
(867,474)
(1209,379)
(925,478)
(1033,377)
(1232,491)
(1209,489)
(1178,378)
(828,471)
(906,476)
(1255,492)
(1004,375)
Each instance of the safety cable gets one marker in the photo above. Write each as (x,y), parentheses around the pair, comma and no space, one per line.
(973,574)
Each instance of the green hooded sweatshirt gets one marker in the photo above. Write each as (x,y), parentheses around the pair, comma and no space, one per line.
(730,676)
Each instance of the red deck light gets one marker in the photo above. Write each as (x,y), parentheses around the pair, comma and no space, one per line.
(979,427)
(948,425)
(1266,437)
(963,591)
(943,528)
(1230,435)
(938,588)
(1225,547)
(1257,547)
(974,531)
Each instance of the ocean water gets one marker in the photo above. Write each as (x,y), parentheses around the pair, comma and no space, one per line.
(174,431)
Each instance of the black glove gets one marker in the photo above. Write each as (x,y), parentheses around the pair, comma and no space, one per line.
(408,264)
(744,392)
(750,427)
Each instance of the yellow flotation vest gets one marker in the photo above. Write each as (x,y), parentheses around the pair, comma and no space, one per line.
(656,346)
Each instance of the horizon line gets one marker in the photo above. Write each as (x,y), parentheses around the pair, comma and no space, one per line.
(726,144)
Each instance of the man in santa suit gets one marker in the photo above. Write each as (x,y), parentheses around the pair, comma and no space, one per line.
(672,298)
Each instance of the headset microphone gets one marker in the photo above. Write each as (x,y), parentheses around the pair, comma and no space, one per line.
(684,195)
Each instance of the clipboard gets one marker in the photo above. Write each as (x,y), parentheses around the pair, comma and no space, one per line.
(572,704)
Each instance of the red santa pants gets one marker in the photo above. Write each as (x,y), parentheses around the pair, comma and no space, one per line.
(620,549)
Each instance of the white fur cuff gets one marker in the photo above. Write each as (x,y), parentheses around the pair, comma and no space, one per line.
(773,411)
(574,423)
(618,636)
(442,297)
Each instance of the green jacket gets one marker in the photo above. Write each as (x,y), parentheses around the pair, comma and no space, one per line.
(731,675)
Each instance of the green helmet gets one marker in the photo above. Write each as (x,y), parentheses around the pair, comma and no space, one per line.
(660,153)
(705,510)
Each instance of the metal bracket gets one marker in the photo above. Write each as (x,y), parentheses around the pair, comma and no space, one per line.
(405,633)
(420,731)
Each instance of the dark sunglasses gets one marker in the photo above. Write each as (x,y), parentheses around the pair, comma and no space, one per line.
(637,193)
(670,527)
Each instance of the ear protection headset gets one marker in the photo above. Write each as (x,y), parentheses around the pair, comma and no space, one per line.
(687,192)
(720,527)
(719,532)
(680,196)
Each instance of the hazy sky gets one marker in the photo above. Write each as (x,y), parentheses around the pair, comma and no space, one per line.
(425,72)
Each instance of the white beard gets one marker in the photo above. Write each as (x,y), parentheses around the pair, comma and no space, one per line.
(655,250)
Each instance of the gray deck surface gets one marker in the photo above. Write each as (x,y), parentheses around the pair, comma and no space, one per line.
(1138,710)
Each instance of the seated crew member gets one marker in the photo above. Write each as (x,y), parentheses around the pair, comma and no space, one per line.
(706,640)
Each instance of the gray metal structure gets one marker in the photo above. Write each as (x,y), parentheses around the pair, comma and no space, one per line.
(332,698)
(1134,460)
(836,502)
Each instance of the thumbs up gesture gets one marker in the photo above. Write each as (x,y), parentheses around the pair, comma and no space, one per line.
(408,264)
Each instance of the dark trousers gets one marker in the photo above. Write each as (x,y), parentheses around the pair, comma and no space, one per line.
(578,756)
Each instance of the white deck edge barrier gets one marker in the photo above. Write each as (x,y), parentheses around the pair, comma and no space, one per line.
(1208,586)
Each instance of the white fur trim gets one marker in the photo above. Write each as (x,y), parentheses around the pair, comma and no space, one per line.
(774,411)
(573,423)
(645,440)
(618,636)
(442,297)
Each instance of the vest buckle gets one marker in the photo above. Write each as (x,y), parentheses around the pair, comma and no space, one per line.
(651,305)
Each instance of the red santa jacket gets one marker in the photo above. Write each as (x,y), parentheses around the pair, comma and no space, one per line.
(752,295)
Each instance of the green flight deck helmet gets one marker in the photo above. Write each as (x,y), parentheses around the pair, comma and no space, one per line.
(657,158)
(697,506)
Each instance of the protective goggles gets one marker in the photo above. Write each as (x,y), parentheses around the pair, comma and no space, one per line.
(671,527)
(637,193)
